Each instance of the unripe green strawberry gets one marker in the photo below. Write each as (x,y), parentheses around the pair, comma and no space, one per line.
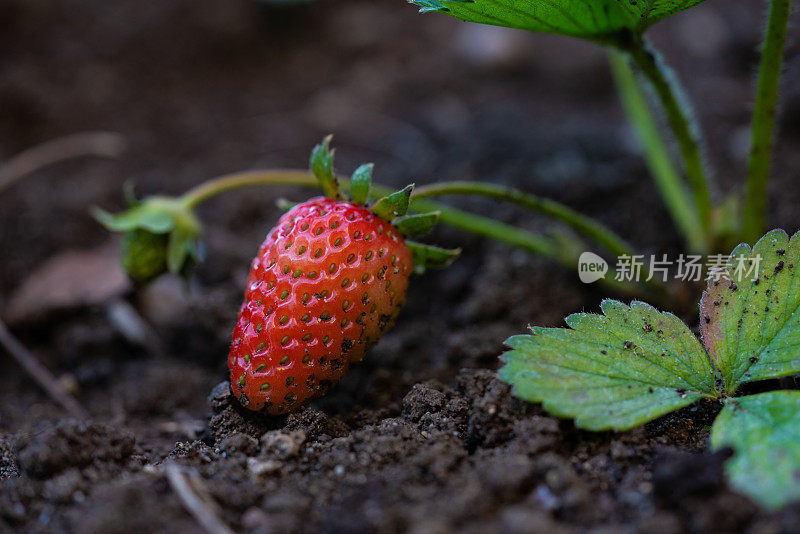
(144,255)
(161,235)
(328,281)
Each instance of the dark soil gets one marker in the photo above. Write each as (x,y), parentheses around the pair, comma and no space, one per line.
(422,436)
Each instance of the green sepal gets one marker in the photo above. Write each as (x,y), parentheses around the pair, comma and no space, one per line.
(129,193)
(321,164)
(178,250)
(161,234)
(144,215)
(284,204)
(414,225)
(393,205)
(360,183)
(429,256)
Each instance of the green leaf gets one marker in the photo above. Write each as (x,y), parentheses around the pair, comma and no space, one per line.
(429,256)
(322,166)
(393,205)
(764,432)
(750,320)
(596,20)
(611,371)
(413,225)
(143,215)
(360,183)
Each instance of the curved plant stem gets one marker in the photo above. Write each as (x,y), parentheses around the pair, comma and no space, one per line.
(476,224)
(230,182)
(451,216)
(583,225)
(668,179)
(678,116)
(763,124)
(492,229)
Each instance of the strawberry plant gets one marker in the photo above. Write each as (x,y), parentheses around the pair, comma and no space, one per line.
(320,293)
(634,363)
(621,26)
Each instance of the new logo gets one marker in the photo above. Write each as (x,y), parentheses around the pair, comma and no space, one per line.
(591,267)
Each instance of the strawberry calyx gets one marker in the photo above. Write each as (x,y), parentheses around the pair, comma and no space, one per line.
(392,208)
(162,235)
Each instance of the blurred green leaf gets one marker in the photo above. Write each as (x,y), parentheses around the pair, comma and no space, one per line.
(143,215)
(764,432)
(596,20)
(178,249)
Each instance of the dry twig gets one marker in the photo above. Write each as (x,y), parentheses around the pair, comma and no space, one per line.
(40,373)
(195,499)
(98,144)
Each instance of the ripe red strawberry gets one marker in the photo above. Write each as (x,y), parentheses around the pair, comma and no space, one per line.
(327,282)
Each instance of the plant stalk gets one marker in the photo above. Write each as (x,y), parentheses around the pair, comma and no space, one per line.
(763,122)
(582,224)
(678,115)
(668,180)
(239,180)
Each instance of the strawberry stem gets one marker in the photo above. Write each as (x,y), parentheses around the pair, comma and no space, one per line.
(681,120)
(531,242)
(666,175)
(231,182)
(582,224)
(763,123)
